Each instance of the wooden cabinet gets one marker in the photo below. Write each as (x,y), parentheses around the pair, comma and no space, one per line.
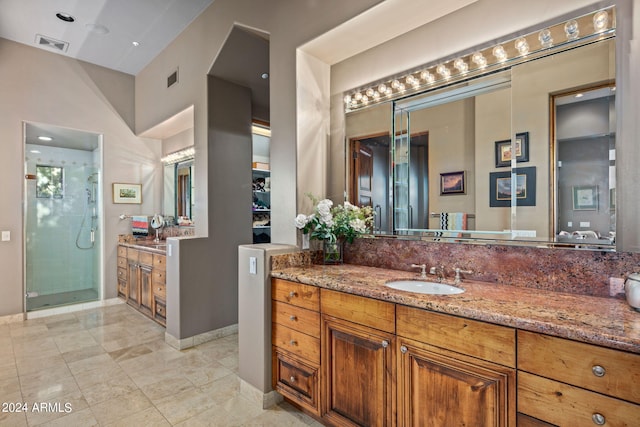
(296,343)
(564,382)
(454,371)
(141,281)
(358,351)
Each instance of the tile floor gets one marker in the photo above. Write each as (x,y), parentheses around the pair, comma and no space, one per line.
(111,367)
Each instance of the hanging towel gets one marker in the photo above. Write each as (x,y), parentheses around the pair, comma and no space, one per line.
(453,221)
(140,225)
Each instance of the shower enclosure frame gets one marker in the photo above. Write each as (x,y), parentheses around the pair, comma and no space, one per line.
(99,264)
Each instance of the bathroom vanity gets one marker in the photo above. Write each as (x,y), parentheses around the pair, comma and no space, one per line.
(352,351)
(141,278)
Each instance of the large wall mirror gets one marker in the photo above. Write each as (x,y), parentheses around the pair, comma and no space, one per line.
(178,201)
(521,153)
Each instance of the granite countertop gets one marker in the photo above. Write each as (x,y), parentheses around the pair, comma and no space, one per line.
(147,245)
(608,322)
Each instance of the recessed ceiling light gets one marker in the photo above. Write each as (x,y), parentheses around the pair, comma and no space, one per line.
(45,138)
(63,16)
(265,75)
(97,29)
(135,44)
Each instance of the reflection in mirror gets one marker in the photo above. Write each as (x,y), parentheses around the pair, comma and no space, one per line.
(584,170)
(451,167)
(179,186)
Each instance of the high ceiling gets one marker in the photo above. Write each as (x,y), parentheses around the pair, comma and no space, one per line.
(103,31)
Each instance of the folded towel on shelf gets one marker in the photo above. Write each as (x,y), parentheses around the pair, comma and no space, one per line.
(140,225)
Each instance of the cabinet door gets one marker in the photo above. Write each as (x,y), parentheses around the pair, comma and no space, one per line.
(133,296)
(146,289)
(442,388)
(359,384)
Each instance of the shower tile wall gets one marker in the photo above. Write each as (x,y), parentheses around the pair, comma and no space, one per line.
(53,262)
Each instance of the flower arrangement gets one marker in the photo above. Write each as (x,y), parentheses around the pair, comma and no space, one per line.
(331,223)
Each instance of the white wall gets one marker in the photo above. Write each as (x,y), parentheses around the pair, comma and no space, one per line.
(43,87)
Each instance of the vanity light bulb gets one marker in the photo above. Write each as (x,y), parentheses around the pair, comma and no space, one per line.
(365,99)
(402,87)
(461,65)
(376,95)
(500,53)
(389,91)
(357,96)
(571,29)
(395,84)
(545,38)
(347,99)
(479,59)
(522,46)
(382,88)
(443,71)
(600,21)
(369,92)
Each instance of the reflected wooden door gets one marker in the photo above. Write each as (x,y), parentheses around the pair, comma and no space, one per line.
(362,186)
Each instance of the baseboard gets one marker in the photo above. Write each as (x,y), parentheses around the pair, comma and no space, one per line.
(11,318)
(183,343)
(73,308)
(265,400)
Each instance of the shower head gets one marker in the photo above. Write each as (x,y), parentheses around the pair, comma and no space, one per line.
(93,178)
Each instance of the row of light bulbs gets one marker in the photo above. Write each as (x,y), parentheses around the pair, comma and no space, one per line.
(179,156)
(461,66)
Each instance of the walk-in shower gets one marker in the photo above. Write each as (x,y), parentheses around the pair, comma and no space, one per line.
(62,213)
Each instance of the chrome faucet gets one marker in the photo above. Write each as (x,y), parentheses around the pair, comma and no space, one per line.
(458,278)
(423,270)
(438,271)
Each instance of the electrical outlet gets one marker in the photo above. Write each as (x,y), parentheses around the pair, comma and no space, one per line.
(570,224)
(585,224)
(253,265)
(616,286)
(6,236)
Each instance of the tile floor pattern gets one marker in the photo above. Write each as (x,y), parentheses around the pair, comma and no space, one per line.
(111,367)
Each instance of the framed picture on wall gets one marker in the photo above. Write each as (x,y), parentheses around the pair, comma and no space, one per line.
(501,183)
(127,193)
(585,197)
(505,151)
(452,183)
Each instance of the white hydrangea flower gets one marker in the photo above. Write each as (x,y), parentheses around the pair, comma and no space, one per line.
(324,207)
(358,225)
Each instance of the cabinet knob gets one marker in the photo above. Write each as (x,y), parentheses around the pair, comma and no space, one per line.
(292,294)
(598,371)
(598,419)
(293,342)
(385,343)
(403,349)
(292,379)
(292,318)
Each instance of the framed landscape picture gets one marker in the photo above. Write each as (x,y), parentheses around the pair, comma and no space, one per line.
(452,183)
(585,198)
(505,151)
(127,193)
(501,187)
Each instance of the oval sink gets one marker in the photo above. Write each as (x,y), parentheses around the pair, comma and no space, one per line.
(423,287)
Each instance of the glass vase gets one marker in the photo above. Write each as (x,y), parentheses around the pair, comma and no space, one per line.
(332,251)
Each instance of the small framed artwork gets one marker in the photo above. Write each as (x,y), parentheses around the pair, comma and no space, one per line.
(505,151)
(585,197)
(501,187)
(453,183)
(127,193)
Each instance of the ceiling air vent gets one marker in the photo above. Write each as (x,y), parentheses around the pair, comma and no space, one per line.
(44,41)
(172,79)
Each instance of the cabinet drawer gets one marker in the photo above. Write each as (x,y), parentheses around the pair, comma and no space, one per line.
(159,261)
(297,380)
(479,339)
(132,254)
(365,311)
(122,251)
(566,405)
(122,273)
(159,309)
(604,370)
(305,296)
(160,290)
(296,342)
(158,276)
(145,258)
(122,287)
(122,261)
(300,319)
